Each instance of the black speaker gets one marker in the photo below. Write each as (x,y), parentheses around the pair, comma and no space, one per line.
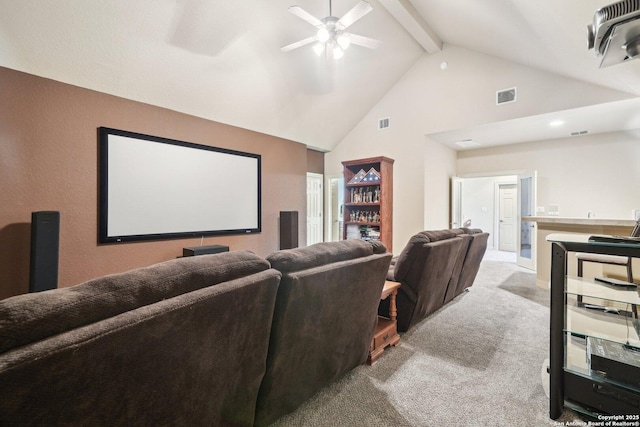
(288,229)
(204,250)
(45,240)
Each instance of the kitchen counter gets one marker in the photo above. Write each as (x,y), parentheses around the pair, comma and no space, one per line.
(546,225)
(597,222)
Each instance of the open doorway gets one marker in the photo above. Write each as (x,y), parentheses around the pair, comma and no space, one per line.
(497,204)
(489,203)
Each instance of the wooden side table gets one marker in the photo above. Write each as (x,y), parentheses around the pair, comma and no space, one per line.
(386,332)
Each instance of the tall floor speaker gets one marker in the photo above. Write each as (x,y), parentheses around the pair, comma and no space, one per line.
(288,229)
(45,241)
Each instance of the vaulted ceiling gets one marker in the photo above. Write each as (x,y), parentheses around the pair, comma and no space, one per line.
(221,60)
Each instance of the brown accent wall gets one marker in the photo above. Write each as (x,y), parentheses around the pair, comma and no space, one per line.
(315,161)
(49,161)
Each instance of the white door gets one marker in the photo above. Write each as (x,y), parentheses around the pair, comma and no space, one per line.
(314,208)
(526,246)
(508,217)
(456,202)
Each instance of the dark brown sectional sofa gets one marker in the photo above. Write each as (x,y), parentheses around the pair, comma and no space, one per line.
(324,319)
(194,341)
(434,267)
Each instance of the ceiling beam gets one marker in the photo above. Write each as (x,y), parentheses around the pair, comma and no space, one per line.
(410,19)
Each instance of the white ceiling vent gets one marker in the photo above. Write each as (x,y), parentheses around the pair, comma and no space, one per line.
(505,96)
(383,123)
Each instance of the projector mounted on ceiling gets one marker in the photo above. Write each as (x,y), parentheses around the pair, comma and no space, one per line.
(615,32)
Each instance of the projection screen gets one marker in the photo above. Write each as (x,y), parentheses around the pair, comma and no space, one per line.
(158,188)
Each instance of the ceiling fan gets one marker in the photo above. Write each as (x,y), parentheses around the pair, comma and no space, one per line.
(332,37)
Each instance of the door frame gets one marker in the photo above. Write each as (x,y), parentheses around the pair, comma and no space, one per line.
(528,263)
(455,203)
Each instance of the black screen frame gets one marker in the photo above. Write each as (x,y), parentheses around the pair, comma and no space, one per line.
(104,134)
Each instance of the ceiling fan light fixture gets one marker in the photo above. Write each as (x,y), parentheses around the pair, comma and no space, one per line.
(331,35)
(323,35)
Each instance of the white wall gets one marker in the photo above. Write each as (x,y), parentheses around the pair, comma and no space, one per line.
(439,167)
(598,173)
(427,100)
(408,175)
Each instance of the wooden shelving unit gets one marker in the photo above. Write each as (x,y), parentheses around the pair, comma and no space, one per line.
(368,205)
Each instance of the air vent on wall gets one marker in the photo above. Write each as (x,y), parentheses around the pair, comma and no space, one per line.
(383,123)
(506,96)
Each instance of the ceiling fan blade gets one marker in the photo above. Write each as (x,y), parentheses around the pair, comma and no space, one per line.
(306,16)
(365,41)
(298,44)
(357,12)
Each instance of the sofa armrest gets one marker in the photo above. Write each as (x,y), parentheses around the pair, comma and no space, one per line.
(391,273)
(410,293)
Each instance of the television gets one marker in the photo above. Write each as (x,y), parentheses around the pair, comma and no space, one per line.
(159,188)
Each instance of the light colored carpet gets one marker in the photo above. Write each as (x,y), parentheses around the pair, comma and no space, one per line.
(475,362)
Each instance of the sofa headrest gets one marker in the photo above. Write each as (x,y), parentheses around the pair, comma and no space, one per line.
(437,235)
(472,230)
(297,259)
(378,247)
(406,257)
(31,317)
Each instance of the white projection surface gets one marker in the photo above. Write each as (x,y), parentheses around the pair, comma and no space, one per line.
(158,188)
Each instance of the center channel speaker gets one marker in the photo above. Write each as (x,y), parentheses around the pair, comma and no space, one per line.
(204,250)
(288,229)
(45,242)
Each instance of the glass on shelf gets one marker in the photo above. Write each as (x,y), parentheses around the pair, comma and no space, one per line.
(596,322)
(592,288)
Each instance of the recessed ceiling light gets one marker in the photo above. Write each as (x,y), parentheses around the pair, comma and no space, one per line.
(556,123)
(467,143)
